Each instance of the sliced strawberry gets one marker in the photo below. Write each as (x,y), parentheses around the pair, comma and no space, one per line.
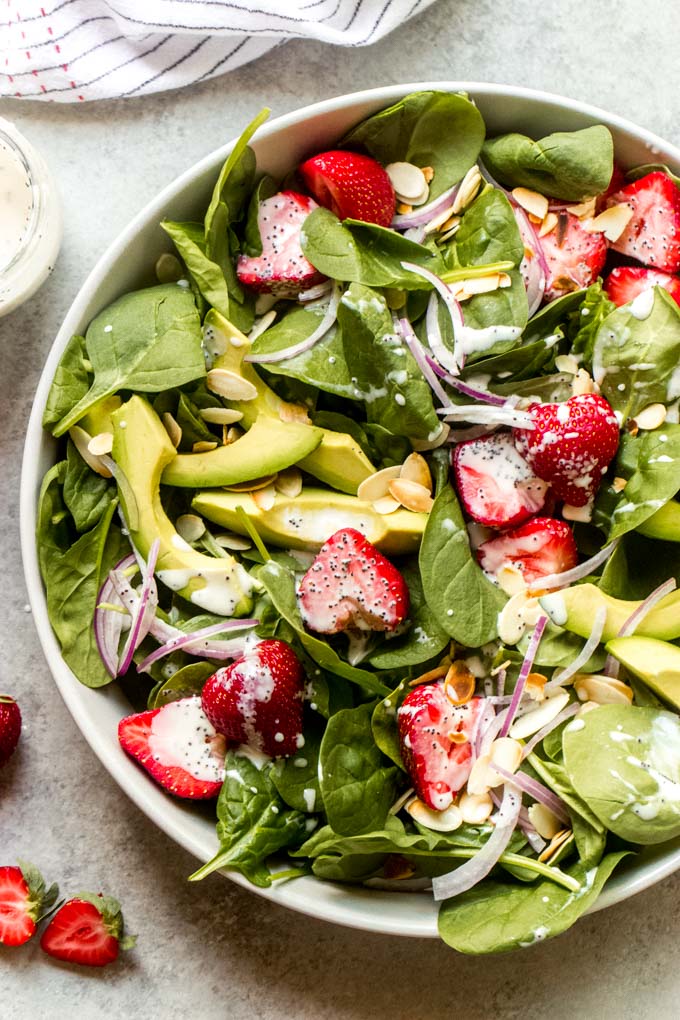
(88,929)
(178,746)
(652,235)
(538,548)
(24,899)
(626,282)
(437,765)
(495,484)
(257,700)
(571,445)
(281,269)
(10,727)
(575,258)
(351,586)
(351,185)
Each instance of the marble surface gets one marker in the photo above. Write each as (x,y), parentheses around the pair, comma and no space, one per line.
(212,949)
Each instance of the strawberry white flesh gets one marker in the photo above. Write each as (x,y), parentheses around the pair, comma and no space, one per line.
(281,269)
(539,548)
(495,483)
(652,235)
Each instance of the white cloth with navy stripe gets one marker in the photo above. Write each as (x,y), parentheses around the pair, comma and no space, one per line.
(75,50)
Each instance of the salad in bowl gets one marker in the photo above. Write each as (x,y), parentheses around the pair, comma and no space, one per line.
(366,504)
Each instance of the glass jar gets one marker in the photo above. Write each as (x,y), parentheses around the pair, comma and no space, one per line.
(30,219)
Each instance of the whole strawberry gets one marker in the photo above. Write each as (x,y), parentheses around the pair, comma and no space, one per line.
(257,700)
(571,445)
(10,727)
(351,185)
(89,930)
(24,900)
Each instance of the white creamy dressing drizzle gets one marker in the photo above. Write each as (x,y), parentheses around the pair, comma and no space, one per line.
(180,736)
(662,766)
(220,591)
(321,524)
(641,306)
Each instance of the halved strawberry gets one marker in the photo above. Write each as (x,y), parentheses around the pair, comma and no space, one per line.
(575,258)
(495,484)
(437,765)
(257,700)
(538,548)
(89,930)
(178,747)
(281,269)
(350,185)
(351,586)
(626,282)
(652,236)
(24,899)
(571,445)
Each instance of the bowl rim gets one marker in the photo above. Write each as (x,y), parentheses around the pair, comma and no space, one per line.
(78,698)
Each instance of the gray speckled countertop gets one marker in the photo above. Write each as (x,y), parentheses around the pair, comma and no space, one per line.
(214,950)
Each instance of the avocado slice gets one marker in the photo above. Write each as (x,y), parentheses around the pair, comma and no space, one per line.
(338,461)
(270,446)
(309,519)
(142,449)
(656,663)
(575,609)
(664,523)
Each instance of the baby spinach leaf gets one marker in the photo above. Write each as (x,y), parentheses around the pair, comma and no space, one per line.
(635,357)
(147,341)
(86,494)
(423,639)
(252,822)
(638,565)
(384,724)
(235,181)
(443,130)
(70,384)
(297,778)
(625,763)
(357,786)
(585,321)
(323,366)
(185,682)
(648,168)
(557,778)
(207,277)
(252,241)
(572,165)
(495,917)
(545,389)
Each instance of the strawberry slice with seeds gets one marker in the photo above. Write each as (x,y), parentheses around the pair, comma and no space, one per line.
(351,586)
(435,737)
(178,747)
(652,235)
(575,258)
(257,700)
(495,483)
(24,900)
(89,930)
(351,185)
(541,547)
(281,269)
(571,445)
(626,282)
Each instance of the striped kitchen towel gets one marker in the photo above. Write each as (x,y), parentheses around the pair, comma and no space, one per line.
(71,50)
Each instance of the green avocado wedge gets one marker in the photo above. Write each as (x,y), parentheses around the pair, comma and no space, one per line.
(575,609)
(664,523)
(270,446)
(142,449)
(308,520)
(656,663)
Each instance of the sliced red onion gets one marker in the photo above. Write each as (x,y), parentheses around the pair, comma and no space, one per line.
(473,871)
(565,714)
(484,720)
(536,790)
(145,611)
(536,842)
(327,321)
(229,649)
(452,361)
(424,213)
(318,291)
(416,234)
(567,577)
(534,642)
(484,414)
(560,678)
(611,666)
(491,732)
(476,394)
(262,324)
(473,432)
(492,180)
(500,682)
(108,627)
(421,359)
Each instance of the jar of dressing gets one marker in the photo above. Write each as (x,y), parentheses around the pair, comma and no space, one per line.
(30,219)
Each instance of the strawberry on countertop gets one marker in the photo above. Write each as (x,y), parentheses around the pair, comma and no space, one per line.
(652,235)
(571,445)
(24,900)
(281,269)
(89,930)
(626,282)
(541,547)
(257,700)
(10,727)
(350,185)
(351,586)
(495,484)
(575,258)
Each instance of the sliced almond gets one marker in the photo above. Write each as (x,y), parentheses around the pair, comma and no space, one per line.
(100,444)
(252,485)
(439,220)
(438,673)
(172,428)
(407,180)
(532,202)
(415,469)
(526,725)
(548,224)
(603,690)
(504,280)
(289,482)
(203,446)
(220,415)
(582,383)
(294,412)
(506,752)
(230,385)
(377,485)
(475,808)
(190,527)
(619,484)
(566,363)
(81,441)
(558,839)
(583,514)
(428,173)
(544,821)
(535,686)
(459,683)
(586,707)
(265,498)
(450,231)
(411,495)
(232,435)
(511,580)
(478,780)
(512,620)
(386,505)
(482,284)
(467,189)
(441,821)
(432,444)
(237,543)
(650,418)
(404,208)
(611,222)
(583,210)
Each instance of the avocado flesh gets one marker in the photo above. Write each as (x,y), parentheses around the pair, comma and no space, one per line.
(575,609)
(98,418)
(309,520)
(664,523)
(270,446)
(338,461)
(142,449)
(656,663)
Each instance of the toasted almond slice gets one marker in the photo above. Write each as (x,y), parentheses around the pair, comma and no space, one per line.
(475,808)
(432,444)
(377,485)
(415,469)
(386,505)
(81,440)
(566,363)
(289,482)
(237,543)
(101,443)
(544,821)
(438,673)
(441,821)
(548,225)
(482,284)
(220,415)
(478,780)
(650,418)
(583,514)
(558,839)
(611,222)
(535,686)
(504,280)
(172,428)
(230,385)
(536,220)
(411,495)
(532,202)
(603,690)
(533,721)
(619,484)
(252,485)
(528,252)
(407,180)
(264,498)
(582,383)
(511,619)
(458,737)
(203,446)
(437,221)
(428,173)
(586,707)
(459,683)
(190,527)
(583,210)
(403,208)
(511,580)
(294,412)
(232,435)
(467,189)
(453,230)
(506,752)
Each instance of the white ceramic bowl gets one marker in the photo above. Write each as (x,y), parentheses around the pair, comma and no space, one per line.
(279,146)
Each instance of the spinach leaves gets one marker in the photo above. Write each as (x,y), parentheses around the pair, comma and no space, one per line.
(70,384)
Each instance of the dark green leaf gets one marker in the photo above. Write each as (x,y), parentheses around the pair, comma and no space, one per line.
(86,494)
